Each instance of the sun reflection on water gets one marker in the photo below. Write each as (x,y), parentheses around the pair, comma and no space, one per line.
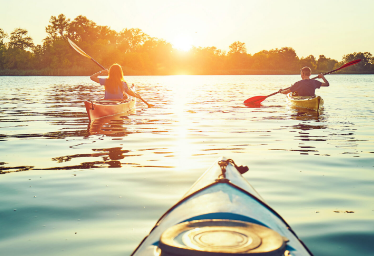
(121,175)
(183,93)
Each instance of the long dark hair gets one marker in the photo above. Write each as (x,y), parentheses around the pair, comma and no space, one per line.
(115,79)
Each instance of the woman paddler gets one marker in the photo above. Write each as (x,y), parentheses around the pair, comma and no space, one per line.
(115,85)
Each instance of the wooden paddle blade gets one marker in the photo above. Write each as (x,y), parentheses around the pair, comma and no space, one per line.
(79,50)
(255,100)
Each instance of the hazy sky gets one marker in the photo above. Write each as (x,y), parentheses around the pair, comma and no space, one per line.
(329,27)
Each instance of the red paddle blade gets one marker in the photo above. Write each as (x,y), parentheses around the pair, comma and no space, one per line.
(350,63)
(255,100)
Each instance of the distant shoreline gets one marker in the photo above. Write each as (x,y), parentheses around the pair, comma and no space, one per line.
(139,54)
(139,73)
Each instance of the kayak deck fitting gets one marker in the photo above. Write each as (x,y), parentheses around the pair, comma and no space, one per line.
(221,214)
(308,102)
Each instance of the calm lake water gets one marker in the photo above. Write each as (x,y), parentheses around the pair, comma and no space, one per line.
(73,188)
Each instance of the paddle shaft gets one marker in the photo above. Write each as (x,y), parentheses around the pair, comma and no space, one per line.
(97,63)
(149,105)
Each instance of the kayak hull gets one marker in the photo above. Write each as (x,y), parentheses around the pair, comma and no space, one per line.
(305,102)
(104,108)
(221,199)
(100,109)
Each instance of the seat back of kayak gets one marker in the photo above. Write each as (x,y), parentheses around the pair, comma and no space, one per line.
(307,102)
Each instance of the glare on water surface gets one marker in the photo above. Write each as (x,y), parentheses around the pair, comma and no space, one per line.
(67,183)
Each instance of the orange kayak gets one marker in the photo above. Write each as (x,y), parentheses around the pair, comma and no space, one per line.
(103,108)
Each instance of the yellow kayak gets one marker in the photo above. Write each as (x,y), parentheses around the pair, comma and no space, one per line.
(308,102)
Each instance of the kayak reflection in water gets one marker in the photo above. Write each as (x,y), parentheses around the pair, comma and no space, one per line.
(306,86)
(115,85)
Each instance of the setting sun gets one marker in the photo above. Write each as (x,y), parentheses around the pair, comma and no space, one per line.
(182,43)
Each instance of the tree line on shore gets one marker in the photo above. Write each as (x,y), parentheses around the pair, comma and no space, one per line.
(141,54)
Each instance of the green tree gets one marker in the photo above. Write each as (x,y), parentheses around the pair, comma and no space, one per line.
(140,53)
(16,55)
(237,47)
(38,52)
(105,46)
(3,35)
(205,60)
(260,60)
(237,56)
(58,27)
(16,58)
(82,29)
(284,58)
(3,49)
(325,64)
(131,40)
(19,39)
(160,55)
(366,64)
(287,58)
(309,61)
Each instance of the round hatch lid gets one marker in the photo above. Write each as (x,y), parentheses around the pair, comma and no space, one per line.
(221,237)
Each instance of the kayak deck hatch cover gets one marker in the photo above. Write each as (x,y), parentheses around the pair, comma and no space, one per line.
(221,214)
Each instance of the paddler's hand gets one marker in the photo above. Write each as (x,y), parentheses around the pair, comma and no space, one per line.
(104,72)
(280,91)
(325,82)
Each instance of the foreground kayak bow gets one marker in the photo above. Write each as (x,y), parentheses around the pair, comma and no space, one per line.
(221,214)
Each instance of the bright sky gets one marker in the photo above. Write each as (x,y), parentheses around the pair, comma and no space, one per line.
(329,27)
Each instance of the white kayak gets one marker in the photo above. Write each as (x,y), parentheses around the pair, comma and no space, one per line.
(221,214)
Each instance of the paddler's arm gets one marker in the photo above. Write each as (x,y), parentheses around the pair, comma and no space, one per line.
(284,91)
(131,92)
(325,82)
(95,77)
